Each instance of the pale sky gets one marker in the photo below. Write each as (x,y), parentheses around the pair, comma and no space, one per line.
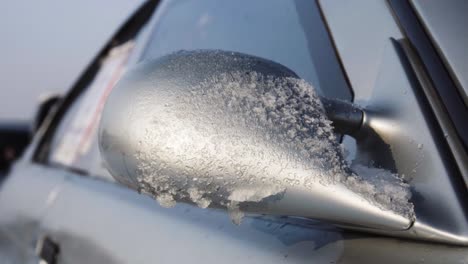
(45,45)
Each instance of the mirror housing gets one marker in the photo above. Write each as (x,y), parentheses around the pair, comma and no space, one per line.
(229,130)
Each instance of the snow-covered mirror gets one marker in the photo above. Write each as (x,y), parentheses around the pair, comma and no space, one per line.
(228,130)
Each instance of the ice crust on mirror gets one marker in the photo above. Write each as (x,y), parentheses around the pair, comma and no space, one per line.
(270,133)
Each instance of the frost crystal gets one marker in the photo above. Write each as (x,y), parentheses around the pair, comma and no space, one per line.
(242,137)
(166,200)
(197,197)
(383,187)
(235,213)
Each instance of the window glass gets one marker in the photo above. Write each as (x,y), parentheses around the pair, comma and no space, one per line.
(288,32)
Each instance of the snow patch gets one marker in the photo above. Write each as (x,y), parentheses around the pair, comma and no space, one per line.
(242,137)
(384,188)
(254,194)
(197,197)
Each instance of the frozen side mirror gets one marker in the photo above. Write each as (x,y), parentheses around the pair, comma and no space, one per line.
(229,130)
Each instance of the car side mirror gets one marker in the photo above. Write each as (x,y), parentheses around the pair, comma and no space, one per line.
(229,130)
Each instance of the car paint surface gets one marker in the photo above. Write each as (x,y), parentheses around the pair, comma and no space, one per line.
(98,222)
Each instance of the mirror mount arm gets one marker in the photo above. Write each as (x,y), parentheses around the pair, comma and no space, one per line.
(347,118)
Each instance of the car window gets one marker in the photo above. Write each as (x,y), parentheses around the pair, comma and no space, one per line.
(289,32)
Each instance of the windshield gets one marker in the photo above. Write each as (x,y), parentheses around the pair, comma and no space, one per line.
(288,32)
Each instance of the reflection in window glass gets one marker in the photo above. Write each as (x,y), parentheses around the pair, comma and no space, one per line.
(289,32)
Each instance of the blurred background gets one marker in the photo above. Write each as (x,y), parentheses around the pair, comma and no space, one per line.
(47,44)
